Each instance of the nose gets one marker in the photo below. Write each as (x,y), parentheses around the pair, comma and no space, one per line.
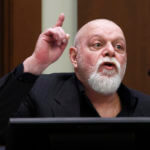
(108,50)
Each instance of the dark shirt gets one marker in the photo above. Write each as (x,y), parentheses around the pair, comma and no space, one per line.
(86,107)
(134,103)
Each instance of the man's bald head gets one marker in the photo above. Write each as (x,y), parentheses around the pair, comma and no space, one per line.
(97,23)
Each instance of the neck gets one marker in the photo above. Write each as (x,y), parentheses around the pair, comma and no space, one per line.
(105,105)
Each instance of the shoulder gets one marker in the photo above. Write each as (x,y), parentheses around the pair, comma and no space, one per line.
(132,93)
(54,77)
(140,95)
(138,101)
(52,81)
(142,102)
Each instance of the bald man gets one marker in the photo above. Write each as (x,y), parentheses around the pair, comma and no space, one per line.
(95,89)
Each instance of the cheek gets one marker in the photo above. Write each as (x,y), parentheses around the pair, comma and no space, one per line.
(123,60)
(89,62)
(90,58)
(85,64)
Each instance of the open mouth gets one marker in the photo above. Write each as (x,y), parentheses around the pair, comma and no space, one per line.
(108,66)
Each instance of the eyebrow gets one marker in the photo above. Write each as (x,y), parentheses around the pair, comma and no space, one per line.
(99,36)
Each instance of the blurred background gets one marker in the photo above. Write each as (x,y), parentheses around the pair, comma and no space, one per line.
(21,22)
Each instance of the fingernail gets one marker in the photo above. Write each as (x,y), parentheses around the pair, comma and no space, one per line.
(68,36)
(64,40)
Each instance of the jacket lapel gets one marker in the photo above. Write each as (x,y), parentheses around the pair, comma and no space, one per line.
(67,102)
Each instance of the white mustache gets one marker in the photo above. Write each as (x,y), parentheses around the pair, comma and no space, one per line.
(109,60)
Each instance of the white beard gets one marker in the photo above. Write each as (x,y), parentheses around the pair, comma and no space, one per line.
(106,82)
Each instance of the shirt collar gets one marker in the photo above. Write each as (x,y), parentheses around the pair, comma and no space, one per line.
(128,100)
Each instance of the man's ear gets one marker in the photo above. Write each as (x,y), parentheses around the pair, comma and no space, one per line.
(73,56)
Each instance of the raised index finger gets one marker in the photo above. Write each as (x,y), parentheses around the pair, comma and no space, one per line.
(60,20)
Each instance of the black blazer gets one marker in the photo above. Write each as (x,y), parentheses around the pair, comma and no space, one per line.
(54,95)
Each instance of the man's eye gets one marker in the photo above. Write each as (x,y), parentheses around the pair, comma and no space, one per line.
(119,47)
(97,45)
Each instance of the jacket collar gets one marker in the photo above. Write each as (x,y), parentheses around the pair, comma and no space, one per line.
(67,99)
(128,101)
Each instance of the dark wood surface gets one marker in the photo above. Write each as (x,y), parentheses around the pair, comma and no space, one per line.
(21,26)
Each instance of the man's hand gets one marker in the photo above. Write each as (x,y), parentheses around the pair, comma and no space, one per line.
(49,47)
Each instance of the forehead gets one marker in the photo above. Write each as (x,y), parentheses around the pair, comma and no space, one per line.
(101,27)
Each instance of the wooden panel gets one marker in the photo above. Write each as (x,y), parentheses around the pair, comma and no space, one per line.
(1,36)
(133,17)
(22,26)
(26,28)
(7,39)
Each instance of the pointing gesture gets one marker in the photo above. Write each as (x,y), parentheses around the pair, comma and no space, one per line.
(60,20)
(49,47)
